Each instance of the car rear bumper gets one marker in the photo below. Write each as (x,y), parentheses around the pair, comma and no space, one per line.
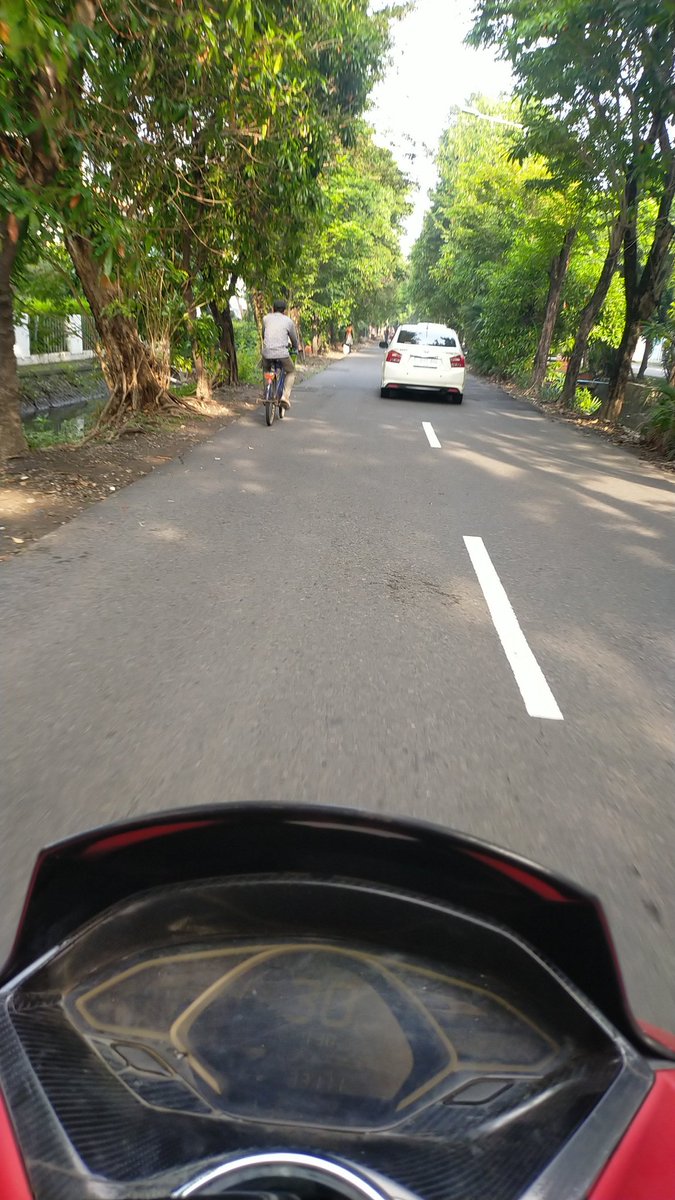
(412,377)
(443,383)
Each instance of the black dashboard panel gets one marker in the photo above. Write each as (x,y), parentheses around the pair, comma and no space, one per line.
(221,1017)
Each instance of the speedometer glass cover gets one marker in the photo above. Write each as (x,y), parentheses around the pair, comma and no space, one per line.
(313,1033)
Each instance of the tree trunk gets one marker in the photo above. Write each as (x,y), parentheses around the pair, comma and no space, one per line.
(12,440)
(225,327)
(645,306)
(591,311)
(649,346)
(259,310)
(294,314)
(645,298)
(127,366)
(202,381)
(203,389)
(611,410)
(557,274)
(160,352)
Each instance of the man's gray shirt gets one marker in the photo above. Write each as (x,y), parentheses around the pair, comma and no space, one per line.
(277,329)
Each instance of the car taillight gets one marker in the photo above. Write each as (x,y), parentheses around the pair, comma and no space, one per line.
(393,356)
(457,360)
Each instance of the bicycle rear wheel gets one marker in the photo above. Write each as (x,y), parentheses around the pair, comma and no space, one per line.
(280,392)
(270,403)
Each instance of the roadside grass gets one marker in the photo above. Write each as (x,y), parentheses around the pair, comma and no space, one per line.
(42,435)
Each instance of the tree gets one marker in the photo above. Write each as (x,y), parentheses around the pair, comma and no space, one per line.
(51,55)
(427,298)
(645,287)
(42,49)
(250,198)
(557,274)
(658,329)
(602,72)
(469,228)
(12,440)
(351,263)
(44,280)
(157,126)
(497,223)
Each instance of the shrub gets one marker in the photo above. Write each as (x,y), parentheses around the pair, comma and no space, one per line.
(555,373)
(250,370)
(247,340)
(41,433)
(658,431)
(522,378)
(602,358)
(585,402)
(553,383)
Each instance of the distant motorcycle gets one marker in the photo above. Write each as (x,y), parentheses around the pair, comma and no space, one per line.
(311,1004)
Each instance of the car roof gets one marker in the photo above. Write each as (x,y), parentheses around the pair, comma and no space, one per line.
(425,325)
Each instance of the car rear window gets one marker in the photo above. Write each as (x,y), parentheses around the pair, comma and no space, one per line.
(426,337)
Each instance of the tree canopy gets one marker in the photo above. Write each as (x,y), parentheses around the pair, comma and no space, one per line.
(566,210)
(182,141)
(153,157)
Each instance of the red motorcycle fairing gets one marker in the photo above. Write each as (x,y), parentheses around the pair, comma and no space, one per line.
(643,1164)
(659,1037)
(13,1179)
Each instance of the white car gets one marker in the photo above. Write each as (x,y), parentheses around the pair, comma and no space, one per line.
(424,357)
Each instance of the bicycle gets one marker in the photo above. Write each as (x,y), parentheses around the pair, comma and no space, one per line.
(274,389)
(274,386)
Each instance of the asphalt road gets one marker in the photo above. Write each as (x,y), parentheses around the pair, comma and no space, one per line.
(292,614)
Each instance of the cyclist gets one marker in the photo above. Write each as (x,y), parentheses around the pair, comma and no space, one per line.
(278,331)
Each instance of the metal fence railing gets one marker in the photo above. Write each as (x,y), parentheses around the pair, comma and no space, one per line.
(48,334)
(89,335)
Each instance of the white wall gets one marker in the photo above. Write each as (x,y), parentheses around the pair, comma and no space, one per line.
(655,364)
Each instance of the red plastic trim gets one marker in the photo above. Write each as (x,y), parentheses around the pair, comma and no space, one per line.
(643,1164)
(13,1180)
(540,886)
(662,1036)
(117,840)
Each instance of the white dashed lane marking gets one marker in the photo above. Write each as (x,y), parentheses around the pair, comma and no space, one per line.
(538,697)
(431,435)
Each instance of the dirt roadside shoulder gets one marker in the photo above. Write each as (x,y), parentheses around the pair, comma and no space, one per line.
(618,435)
(46,488)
